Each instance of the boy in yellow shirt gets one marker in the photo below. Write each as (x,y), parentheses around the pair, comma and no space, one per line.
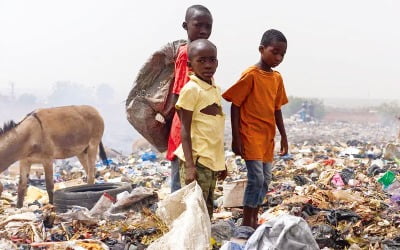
(200,111)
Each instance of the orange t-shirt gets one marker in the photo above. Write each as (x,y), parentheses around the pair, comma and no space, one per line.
(258,94)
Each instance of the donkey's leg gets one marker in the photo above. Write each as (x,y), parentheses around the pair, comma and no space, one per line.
(84,160)
(91,167)
(24,169)
(48,175)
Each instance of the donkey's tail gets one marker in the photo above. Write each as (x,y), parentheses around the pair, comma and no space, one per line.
(102,154)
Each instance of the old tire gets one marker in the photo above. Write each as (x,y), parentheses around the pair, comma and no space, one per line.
(86,195)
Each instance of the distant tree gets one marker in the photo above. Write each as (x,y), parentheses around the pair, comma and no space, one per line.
(296,104)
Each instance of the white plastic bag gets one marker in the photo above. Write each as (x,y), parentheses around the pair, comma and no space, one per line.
(185,213)
(103,204)
(282,232)
(234,193)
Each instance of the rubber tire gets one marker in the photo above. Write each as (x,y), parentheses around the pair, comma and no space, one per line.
(86,195)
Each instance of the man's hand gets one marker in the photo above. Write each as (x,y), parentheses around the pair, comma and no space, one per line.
(284,146)
(237,146)
(191,173)
(160,118)
(222,175)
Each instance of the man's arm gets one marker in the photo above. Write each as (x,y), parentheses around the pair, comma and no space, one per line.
(282,131)
(235,121)
(169,110)
(174,99)
(186,121)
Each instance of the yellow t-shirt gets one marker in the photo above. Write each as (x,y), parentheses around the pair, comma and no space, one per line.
(207,131)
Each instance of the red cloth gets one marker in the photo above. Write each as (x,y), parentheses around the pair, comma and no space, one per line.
(181,78)
(181,70)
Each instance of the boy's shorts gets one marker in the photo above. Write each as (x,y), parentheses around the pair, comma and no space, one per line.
(206,178)
(259,175)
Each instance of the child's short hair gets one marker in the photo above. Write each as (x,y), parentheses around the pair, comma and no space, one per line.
(196,7)
(199,43)
(272,35)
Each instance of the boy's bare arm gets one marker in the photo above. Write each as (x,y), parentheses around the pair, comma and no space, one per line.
(235,121)
(169,106)
(282,131)
(186,121)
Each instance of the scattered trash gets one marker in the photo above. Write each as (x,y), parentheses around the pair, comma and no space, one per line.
(234,193)
(222,231)
(337,180)
(300,180)
(86,195)
(283,232)
(335,216)
(138,199)
(387,179)
(102,205)
(344,189)
(149,156)
(327,236)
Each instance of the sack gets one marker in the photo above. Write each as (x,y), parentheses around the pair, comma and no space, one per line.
(149,106)
(234,193)
(283,232)
(185,213)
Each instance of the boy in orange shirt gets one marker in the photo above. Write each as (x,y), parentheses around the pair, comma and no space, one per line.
(198,24)
(256,108)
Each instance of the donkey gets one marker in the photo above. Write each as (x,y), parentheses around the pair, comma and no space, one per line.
(48,134)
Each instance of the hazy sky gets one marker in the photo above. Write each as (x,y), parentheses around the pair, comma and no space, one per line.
(340,48)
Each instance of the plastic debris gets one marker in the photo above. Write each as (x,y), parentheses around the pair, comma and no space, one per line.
(358,212)
(387,179)
(283,232)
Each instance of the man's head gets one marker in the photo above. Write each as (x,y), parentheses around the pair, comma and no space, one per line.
(198,22)
(272,47)
(202,59)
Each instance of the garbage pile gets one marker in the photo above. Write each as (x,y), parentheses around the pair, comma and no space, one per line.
(126,220)
(321,132)
(344,187)
(345,201)
(338,188)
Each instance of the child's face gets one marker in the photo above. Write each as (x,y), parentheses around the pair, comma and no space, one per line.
(272,55)
(199,26)
(204,63)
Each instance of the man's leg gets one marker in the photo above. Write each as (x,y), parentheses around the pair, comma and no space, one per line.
(267,174)
(206,178)
(255,181)
(175,180)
